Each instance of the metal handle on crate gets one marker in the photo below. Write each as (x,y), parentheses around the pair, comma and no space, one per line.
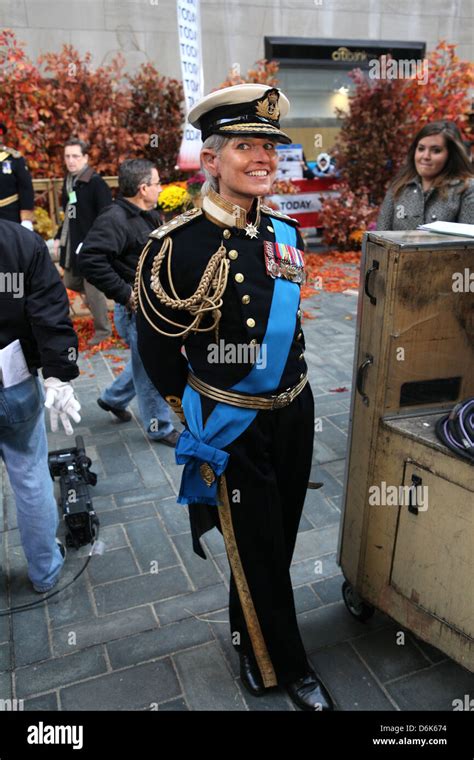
(373,268)
(361,377)
(412,500)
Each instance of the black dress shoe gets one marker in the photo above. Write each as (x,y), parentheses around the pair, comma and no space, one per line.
(169,440)
(250,675)
(308,693)
(121,414)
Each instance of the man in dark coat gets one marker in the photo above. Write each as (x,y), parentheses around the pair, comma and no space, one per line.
(16,186)
(84,195)
(108,259)
(35,331)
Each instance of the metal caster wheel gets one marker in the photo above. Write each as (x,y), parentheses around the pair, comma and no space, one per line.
(356,606)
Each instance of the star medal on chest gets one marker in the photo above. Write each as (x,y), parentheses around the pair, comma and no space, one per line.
(284,261)
(251,230)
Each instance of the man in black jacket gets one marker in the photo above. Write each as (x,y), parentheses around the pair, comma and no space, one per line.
(35,331)
(84,195)
(108,259)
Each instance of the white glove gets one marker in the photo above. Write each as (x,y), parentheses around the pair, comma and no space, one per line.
(26,223)
(61,402)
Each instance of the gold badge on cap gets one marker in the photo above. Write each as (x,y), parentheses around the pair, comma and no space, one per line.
(268,105)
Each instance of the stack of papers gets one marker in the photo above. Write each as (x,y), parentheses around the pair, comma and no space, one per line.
(13,367)
(449,228)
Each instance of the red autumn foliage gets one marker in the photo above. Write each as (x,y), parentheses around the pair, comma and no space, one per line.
(44,104)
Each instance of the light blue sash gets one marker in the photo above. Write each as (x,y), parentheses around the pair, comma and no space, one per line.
(205,443)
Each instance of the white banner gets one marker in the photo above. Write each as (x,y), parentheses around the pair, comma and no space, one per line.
(189,33)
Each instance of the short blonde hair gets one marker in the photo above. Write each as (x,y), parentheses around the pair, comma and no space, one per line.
(214,142)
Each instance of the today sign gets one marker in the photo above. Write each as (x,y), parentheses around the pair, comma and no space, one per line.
(190,51)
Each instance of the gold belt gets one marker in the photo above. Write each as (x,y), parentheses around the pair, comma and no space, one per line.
(10,199)
(247,402)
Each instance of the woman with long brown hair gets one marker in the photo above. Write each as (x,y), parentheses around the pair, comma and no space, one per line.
(436,183)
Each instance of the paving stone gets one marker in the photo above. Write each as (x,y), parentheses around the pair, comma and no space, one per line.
(329,590)
(136,688)
(431,652)
(151,544)
(44,703)
(202,572)
(333,437)
(305,599)
(322,452)
(4,627)
(113,537)
(199,603)
(150,467)
(30,636)
(434,688)
(5,662)
(5,686)
(49,675)
(102,503)
(157,643)
(333,624)
(72,605)
(348,681)
(319,510)
(116,459)
(125,481)
(104,629)
(149,587)
(206,680)
(341,421)
(336,469)
(127,514)
(386,658)
(320,474)
(155,494)
(174,705)
(112,565)
(315,543)
(13,538)
(174,516)
(223,563)
(310,570)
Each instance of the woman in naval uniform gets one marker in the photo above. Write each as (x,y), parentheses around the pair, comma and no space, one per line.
(224,283)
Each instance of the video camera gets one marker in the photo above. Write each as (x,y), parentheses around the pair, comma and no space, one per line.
(72,466)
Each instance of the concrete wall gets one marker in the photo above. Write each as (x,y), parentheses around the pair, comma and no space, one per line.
(233,30)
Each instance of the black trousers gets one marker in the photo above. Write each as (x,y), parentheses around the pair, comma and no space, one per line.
(267,478)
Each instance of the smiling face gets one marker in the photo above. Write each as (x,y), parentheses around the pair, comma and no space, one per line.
(431,155)
(245,168)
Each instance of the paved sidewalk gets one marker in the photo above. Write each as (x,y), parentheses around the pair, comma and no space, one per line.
(125,637)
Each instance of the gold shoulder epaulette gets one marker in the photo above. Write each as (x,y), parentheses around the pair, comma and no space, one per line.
(9,152)
(176,223)
(278,214)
